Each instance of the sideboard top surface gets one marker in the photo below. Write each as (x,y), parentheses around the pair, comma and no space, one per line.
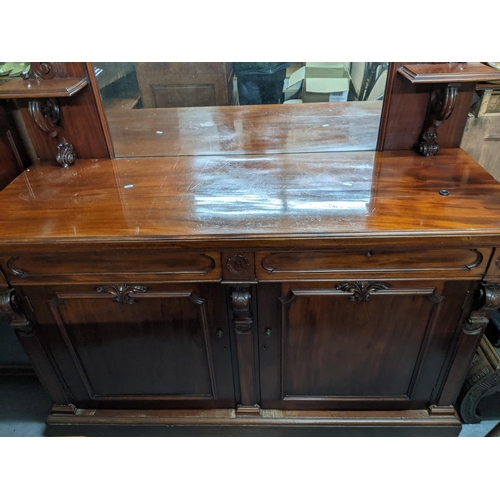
(261,198)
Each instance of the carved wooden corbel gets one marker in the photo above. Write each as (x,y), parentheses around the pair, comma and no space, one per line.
(240,299)
(487,301)
(45,113)
(10,307)
(442,103)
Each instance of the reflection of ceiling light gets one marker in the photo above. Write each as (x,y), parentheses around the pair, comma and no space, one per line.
(263,205)
(238,205)
(328,205)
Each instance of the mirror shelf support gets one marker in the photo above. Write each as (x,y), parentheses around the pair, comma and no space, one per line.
(41,85)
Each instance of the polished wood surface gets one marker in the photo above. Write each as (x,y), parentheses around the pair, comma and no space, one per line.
(273,128)
(35,89)
(251,198)
(448,72)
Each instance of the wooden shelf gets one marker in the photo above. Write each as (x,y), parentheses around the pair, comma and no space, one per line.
(448,72)
(36,89)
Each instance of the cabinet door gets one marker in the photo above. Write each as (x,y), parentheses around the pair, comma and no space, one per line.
(357,345)
(135,346)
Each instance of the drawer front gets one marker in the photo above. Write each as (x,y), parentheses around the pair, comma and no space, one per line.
(460,263)
(150,264)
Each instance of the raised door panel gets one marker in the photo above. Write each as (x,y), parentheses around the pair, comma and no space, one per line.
(136,345)
(358,345)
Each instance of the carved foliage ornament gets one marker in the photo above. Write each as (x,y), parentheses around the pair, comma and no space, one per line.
(123,294)
(361,291)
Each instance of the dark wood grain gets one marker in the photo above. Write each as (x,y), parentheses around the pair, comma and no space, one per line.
(372,260)
(159,349)
(254,199)
(340,353)
(273,128)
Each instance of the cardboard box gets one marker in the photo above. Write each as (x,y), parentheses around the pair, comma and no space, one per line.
(321,82)
(325,90)
(327,70)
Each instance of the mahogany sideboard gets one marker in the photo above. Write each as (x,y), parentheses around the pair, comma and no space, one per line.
(254,293)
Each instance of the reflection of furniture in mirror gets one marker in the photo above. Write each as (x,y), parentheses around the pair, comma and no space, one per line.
(13,155)
(118,84)
(481,137)
(376,92)
(233,288)
(357,72)
(180,84)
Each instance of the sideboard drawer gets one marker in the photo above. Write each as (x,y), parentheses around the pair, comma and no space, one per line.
(123,264)
(456,262)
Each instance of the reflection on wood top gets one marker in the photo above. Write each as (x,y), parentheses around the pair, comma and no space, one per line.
(293,198)
(261,129)
(36,89)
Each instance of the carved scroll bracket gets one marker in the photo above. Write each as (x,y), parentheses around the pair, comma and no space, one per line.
(45,113)
(441,107)
(240,299)
(10,308)
(45,71)
(487,301)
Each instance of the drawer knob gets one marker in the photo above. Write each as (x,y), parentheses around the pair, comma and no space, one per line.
(370,253)
(267,332)
(219,333)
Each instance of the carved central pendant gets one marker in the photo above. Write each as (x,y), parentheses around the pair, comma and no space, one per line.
(361,291)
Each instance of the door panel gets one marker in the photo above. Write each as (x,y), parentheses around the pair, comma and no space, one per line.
(350,345)
(133,343)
